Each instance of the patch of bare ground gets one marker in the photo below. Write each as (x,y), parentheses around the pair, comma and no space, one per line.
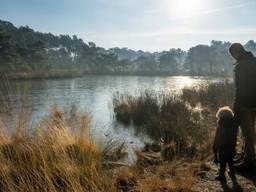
(206,182)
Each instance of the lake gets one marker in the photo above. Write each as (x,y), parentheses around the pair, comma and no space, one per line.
(94,94)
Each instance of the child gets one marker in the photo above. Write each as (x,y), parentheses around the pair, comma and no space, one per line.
(225,142)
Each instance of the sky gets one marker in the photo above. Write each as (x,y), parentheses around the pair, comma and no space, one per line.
(149,25)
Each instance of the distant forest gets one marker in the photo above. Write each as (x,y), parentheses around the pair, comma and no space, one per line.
(25,50)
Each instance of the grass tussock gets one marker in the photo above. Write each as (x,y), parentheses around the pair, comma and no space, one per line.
(138,110)
(53,158)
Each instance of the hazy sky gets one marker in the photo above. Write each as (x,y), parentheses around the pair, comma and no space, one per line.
(138,24)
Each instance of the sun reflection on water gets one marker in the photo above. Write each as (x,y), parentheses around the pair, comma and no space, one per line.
(178,83)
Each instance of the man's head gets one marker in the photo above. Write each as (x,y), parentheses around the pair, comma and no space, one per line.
(236,50)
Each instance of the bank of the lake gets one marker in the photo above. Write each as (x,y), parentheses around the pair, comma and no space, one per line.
(61,74)
(28,75)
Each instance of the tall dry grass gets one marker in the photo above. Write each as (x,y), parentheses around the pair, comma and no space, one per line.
(51,158)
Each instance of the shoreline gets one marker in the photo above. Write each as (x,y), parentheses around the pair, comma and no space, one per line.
(40,75)
(76,74)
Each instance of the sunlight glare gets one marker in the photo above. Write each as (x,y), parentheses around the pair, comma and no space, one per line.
(180,82)
(186,8)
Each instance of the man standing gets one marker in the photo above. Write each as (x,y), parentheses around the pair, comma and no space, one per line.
(245,100)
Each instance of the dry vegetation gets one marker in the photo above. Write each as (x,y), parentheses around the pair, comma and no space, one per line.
(161,176)
(181,124)
(52,158)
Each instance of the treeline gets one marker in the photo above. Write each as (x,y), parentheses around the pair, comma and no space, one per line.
(24,50)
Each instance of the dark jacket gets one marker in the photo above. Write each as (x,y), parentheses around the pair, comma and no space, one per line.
(226,137)
(245,82)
